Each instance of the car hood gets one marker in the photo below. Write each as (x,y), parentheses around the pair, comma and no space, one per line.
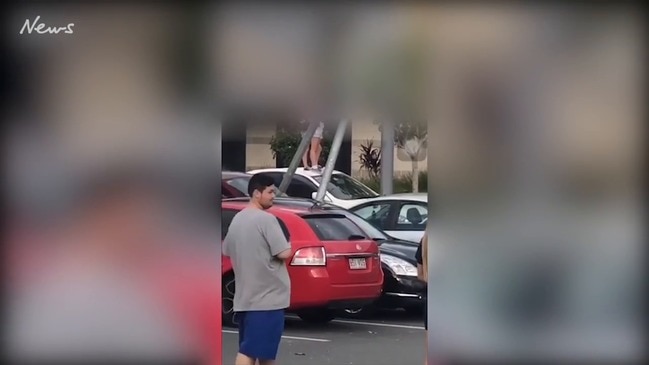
(404,250)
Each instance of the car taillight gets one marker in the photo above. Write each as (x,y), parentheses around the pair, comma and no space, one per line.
(310,256)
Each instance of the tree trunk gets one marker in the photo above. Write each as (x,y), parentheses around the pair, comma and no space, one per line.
(415,175)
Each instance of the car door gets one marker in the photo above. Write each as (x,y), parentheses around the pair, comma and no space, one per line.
(408,221)
(378,213)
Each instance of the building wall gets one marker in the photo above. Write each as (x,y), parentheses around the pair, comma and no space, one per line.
(258,152)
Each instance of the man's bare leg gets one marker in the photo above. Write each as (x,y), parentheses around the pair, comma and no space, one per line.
(266,362)
(244,360)
(318,151)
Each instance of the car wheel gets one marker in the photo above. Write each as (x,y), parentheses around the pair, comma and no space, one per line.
(227,301)
(415,310)
(316,316)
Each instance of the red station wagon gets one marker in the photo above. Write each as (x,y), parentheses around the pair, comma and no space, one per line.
(333,265)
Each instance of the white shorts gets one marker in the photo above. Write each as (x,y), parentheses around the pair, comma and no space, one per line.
(318,131)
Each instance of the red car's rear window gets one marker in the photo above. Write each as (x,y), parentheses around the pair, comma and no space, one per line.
(334,227)
(227,214)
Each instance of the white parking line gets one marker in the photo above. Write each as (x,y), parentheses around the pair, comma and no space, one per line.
(403,326)
(290,337)
(390,325)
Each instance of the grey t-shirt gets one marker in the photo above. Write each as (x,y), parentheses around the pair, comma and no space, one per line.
(261,280)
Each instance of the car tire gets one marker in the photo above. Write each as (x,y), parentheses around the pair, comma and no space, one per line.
(316,316)
(227,301)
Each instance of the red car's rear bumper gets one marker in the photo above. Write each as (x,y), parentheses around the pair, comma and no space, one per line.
(311,287)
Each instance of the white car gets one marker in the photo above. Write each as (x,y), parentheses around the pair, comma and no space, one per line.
(402,216)
(343,190)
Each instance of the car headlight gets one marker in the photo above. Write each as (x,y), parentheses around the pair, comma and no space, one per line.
(399,266)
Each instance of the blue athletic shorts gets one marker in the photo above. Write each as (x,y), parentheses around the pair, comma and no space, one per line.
(260,333)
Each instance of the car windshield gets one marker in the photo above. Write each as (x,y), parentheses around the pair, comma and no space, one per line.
(345,187)
(372,232)
(240,183)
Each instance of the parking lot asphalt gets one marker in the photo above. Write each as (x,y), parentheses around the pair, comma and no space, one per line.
(390,337)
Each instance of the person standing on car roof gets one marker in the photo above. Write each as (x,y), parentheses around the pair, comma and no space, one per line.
(315,148)
(422,273)
(258,249)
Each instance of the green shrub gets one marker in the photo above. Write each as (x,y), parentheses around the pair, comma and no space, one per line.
(373,183)
(402,183)
(284,145)
(285,142)
(370,158)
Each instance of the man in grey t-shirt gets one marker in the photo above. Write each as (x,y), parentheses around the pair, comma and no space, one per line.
(258,249)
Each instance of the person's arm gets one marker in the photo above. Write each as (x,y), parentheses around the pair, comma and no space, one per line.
(226,245)
(284,255)
(225,249)
(277,241)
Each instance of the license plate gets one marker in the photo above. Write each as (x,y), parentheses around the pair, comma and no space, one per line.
(357,264)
